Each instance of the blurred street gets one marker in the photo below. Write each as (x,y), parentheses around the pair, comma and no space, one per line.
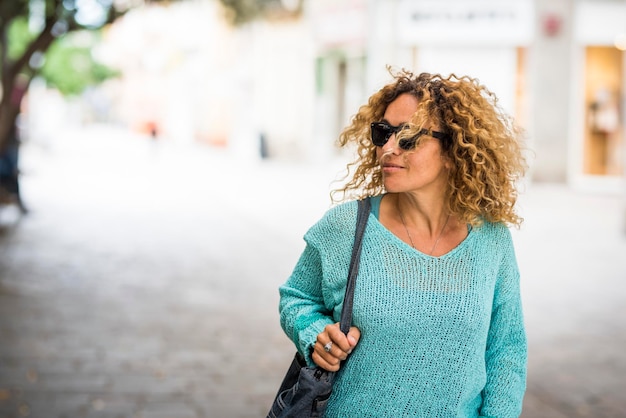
(143,284)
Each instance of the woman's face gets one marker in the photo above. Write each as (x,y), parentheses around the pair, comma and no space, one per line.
(421,169)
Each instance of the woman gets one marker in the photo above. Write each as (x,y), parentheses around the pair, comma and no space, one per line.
(437,319)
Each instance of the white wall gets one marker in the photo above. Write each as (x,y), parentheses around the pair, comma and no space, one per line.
(495,67)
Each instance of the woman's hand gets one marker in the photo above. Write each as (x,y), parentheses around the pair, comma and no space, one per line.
(333,346)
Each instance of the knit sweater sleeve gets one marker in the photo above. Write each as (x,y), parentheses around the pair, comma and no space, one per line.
(306,303)
(506,353)
(303,314)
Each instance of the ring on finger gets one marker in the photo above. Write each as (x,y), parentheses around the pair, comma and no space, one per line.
(328,346)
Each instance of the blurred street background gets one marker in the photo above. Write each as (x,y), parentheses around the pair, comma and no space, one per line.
(144,283)
(161,160)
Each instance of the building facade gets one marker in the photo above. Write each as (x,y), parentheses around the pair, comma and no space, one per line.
(557,67)
(291,86)
(597,156)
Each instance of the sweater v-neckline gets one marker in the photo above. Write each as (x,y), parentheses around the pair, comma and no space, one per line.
(408,247)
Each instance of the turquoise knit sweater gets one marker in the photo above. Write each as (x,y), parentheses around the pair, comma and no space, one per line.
(441,336)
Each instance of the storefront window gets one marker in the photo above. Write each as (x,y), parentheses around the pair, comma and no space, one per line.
(604,126)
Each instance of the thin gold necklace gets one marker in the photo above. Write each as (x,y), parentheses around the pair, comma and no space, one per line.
(432,250)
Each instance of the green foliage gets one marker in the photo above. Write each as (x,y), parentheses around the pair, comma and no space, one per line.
(70,66)
(19,37)
(241,11)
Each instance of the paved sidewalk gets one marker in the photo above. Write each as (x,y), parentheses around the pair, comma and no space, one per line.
(143,284)
(572,255)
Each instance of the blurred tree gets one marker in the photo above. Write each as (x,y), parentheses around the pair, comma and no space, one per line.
(30,28)
(69,65)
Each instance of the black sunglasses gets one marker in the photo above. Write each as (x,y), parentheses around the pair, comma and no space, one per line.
(382,131)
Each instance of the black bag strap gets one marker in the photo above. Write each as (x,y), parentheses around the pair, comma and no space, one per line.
(361,222)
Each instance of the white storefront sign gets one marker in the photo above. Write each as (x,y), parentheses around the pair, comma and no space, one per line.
(470,22)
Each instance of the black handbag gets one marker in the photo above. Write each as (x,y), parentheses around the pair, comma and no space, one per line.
(304,391)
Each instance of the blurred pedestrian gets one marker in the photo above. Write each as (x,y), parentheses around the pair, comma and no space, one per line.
(437,328)
(9,170)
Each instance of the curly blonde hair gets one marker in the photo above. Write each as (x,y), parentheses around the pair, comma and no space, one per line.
(484,145)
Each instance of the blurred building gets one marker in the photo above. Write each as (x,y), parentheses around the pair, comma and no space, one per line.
(558,66)
(176,62)
(596,129)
